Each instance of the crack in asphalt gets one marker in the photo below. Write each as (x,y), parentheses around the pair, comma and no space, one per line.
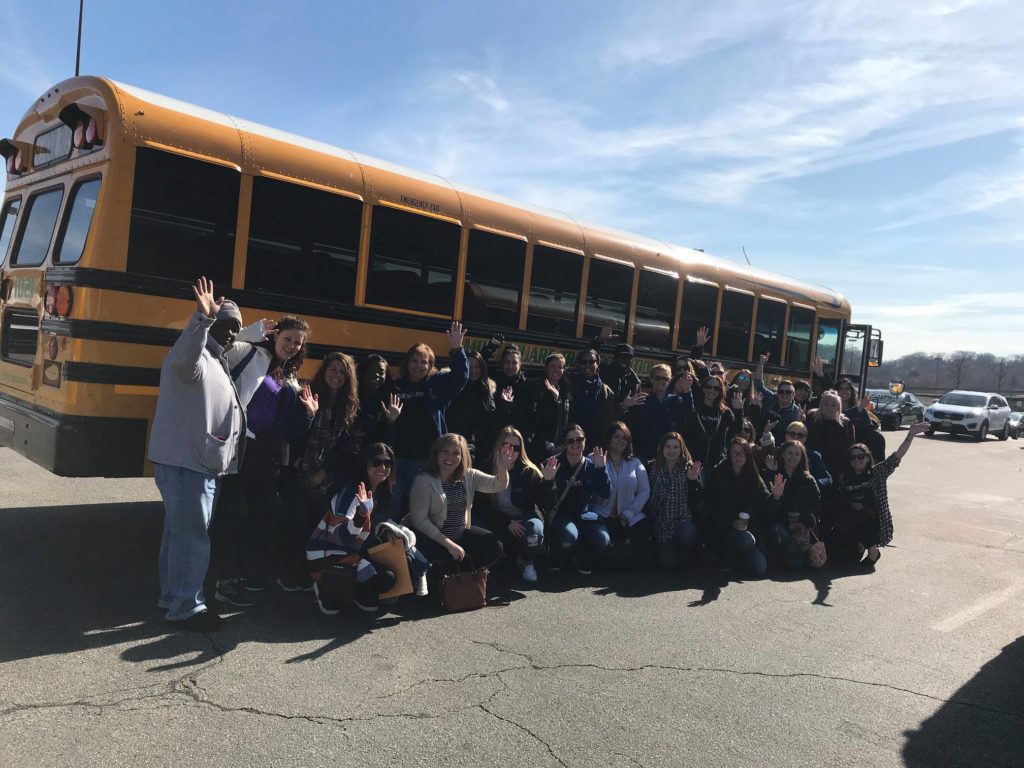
(748,673)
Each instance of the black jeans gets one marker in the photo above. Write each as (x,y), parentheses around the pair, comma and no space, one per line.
(483,548)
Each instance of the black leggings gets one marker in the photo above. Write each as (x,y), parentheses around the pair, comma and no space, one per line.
(483,548)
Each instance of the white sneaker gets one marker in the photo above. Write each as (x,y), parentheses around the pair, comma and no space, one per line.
(419,585)
(529,573)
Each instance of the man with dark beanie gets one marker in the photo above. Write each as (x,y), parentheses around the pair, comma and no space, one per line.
(198,436)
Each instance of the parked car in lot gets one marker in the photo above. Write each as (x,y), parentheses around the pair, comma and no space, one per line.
(893,411)
(961,412)
(1015,424)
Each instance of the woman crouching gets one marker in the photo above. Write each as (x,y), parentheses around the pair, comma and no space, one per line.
(441,503)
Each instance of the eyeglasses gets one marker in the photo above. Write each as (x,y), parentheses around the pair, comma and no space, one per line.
(858,456)
(659,378)
(791,433)
(574,440)
(379,462)
(513,446)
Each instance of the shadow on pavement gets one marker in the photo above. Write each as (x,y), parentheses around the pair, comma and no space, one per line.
(981,725)
(84,577)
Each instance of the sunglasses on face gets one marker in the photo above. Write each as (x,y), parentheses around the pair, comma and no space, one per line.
(711,388)
(858,456)
(588,361)
(378,462)
(575,440)
(659,378)
(787,391)
(513,446)
(796,434)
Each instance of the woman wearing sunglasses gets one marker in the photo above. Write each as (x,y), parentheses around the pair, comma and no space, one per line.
(345,528)
(712,425)
(580,481)
(516,513)
(862,521)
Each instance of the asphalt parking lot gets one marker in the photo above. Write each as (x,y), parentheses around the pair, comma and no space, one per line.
(920,663)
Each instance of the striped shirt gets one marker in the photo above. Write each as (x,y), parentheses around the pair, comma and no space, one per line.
(455,522)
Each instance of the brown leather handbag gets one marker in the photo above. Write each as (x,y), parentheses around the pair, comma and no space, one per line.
(464,590)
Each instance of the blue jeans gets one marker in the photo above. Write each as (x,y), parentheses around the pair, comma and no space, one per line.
(189,498)
(677,550)
(778,540)
(742,551)
(588,537)
(527,545)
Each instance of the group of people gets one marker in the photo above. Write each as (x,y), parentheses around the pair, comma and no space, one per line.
(268,476)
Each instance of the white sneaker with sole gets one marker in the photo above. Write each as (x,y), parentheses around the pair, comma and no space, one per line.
(529,573)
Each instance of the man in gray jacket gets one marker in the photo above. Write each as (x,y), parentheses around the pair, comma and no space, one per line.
(198,436)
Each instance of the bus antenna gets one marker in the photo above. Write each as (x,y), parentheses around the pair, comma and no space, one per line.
(78,49)
(745,255)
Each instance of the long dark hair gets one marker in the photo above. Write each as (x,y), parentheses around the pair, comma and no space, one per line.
(685,459)
(386,490)
(282,370)
(346,404)
(483,386)
(749,471)
(720,400)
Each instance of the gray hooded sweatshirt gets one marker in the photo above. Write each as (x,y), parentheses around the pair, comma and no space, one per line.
(199,422)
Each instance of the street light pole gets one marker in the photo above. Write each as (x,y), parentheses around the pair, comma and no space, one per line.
(937,361)
(78,49)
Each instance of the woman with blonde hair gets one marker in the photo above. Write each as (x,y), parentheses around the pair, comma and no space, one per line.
(516,513)
(441,503)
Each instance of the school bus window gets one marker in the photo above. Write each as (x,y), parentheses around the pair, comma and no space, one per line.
(771,317)
(77,221)
(494,280)
(700,302)
(554,291)
(655,310)
(734,326)
(609,289)
(302,242)
(828,343)
(183,217)
(7,224)
(798,344)
(37,231)
(51,147)
(412,261)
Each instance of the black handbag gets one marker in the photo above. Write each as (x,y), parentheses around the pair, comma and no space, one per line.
(337,582)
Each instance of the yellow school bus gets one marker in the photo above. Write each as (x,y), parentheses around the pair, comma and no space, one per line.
(117,199)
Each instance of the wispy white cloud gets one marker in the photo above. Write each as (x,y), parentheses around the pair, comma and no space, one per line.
(20,67)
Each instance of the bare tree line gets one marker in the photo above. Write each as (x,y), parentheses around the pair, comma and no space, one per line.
(954,370)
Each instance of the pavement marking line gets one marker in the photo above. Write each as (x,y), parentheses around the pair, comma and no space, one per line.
(981,607)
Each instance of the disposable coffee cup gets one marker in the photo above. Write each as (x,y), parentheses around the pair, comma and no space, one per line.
(744,519)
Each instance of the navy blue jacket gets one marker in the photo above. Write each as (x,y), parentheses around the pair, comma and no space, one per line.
(437,391)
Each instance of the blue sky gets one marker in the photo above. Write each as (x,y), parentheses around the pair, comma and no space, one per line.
(874,147)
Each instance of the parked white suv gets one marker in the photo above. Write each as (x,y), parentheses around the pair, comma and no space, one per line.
(970,413)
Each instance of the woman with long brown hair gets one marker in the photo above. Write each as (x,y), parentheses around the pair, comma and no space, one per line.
(673,484)
(738,510)
(712,424)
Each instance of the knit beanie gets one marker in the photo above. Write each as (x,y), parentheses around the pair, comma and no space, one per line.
(229,311)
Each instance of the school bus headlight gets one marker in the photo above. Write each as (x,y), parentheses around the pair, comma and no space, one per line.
(86,124)
(58,300)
